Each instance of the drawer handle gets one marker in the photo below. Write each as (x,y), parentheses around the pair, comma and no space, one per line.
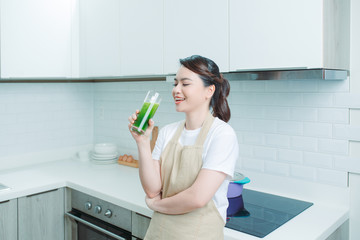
(94,226)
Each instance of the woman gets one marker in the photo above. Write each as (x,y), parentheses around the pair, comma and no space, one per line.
(187,175)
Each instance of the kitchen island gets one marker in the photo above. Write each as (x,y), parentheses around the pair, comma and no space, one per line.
(120,185)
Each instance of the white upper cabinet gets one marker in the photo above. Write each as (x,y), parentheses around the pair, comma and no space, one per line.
(35,38)
(289,34)
(141,42)
(100,52)
(196,27)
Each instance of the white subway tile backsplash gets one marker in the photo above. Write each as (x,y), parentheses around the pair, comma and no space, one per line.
(346,132)
(304,114)
(297,128)
(289,127)
(303,85)
(273,112)
(287,99)
(252,164)
(253,86)
(346,163)
(264,153)
(333,177)
(277,168)
(347,100)
(334,86)
(42,116)
(245,150)
(312,129)
(303,172)
(290,156)
(318,99)
(264,126)
(304,143)
(318,159)
(333,115)
(277,86)
(277,140)
(252,138)
(333,146)
(264,99)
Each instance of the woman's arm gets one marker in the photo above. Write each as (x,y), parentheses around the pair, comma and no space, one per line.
(149,169)
(196,196)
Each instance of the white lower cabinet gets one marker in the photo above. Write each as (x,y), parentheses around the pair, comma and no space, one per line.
(140,224)
(8,219)
(41,216)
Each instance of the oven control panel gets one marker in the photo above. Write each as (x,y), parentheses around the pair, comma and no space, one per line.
(101,209)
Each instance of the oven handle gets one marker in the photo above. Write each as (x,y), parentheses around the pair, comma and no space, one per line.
(94,226)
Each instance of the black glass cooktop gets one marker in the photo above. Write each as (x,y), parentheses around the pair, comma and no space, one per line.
(258,214)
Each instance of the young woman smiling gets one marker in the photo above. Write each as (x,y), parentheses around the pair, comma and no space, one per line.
(186,177)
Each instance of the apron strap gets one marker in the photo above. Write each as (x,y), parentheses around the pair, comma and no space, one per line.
(205,130)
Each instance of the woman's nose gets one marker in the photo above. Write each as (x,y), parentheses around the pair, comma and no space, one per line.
(176,88)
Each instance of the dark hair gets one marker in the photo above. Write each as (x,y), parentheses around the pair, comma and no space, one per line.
(209,73)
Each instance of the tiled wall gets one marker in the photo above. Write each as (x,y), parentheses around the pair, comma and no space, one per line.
(298,129)
(35,117)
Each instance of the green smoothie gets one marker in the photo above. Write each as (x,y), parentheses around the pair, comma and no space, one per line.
(142,122)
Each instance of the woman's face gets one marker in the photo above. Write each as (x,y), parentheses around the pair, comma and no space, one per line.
(189,92)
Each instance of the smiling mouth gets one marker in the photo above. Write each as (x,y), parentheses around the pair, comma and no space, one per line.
(179,100)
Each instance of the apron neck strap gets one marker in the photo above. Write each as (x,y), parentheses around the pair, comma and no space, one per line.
(203,132)
(205,129)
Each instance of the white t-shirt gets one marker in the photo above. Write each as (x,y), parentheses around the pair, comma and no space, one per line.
(220,152)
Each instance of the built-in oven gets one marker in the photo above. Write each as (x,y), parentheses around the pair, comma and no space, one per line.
(91,218)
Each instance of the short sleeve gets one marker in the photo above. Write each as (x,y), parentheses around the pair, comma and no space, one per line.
(159,145)
(222,151)
(165,134)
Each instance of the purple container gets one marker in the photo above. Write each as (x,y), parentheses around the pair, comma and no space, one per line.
(234,190)
(236,204)
(234,194)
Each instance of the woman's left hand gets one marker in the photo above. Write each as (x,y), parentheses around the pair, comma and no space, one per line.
(151,202)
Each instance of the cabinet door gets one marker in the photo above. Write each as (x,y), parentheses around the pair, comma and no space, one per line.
(275,34)
(100,38)
(195,27)
(140,225)
(8,220)
(41,216)
(35,38)
(141,37)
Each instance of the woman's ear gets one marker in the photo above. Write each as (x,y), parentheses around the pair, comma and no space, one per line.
(210,91)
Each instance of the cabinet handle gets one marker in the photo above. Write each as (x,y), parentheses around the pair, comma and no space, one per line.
(5,201)
(94,226)
(31,195)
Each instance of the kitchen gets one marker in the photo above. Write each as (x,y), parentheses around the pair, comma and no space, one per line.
(298,137)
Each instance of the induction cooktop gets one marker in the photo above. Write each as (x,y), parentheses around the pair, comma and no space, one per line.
(259,213)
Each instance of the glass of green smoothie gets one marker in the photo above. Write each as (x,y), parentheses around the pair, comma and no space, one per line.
(148,109)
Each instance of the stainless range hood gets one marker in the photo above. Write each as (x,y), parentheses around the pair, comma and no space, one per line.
(281,74)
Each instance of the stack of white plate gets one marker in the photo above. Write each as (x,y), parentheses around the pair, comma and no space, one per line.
(104,153)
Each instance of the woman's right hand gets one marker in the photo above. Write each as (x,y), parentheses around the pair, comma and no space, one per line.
(138,138)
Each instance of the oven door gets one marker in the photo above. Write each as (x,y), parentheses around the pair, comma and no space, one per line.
(91,228)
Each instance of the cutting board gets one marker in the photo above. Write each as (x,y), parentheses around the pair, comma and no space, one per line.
(133,162)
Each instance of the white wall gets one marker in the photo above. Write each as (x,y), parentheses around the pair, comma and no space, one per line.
(36,117)
(287,128)
(354,179)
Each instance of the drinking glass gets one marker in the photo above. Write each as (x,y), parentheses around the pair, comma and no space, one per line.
(148,109)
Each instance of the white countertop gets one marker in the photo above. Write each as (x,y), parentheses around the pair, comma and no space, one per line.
(120,185)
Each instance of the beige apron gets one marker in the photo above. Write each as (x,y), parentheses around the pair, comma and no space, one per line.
(180,166)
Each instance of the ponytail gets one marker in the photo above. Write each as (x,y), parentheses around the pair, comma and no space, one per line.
(209,73)
(219,102)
